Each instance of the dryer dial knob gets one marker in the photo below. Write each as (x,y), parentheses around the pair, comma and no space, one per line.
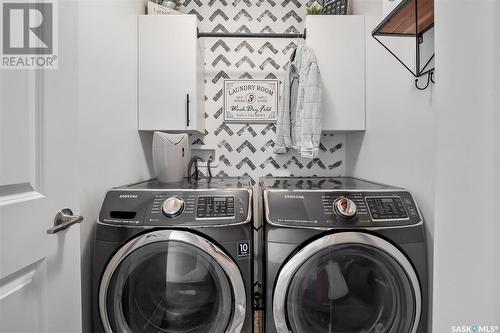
(172,207)
(345,207)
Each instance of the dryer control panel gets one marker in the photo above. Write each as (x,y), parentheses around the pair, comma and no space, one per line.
(176,208)
(342,209)
(215,207)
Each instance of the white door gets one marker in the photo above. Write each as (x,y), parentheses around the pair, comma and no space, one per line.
(40,272)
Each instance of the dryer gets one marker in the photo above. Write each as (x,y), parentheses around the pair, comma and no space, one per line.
(175,258)
(342,255)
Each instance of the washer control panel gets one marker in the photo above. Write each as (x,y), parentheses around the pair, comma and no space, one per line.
(341,209)
(386,208)
(176,208)
(215,207)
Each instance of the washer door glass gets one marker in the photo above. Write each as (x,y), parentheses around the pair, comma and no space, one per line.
(170,287)
(350,288)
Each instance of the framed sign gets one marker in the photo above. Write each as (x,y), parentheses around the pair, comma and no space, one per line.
(250,101)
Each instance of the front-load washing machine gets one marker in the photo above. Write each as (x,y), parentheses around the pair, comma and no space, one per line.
(175,258)
(342,255)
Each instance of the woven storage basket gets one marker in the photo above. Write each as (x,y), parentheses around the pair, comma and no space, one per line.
(335,7)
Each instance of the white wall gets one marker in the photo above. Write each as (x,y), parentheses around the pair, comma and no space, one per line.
(467,229)
(366,7)
(398,145)
(442,145)
(112,151)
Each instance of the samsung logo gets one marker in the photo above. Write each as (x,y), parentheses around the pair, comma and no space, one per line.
(294,196)
(128,196)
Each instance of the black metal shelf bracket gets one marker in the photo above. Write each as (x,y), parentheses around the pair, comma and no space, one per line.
(424,71)
(430,78)
(250,35)
(419,71)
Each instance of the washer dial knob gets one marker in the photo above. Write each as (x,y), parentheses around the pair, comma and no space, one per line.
(172,207)
(345,207)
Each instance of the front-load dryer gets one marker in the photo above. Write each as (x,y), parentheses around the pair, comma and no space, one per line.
(175,258)
(342,255)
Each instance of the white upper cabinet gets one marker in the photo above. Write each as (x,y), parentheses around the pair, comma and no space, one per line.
(171,86)
(339,44)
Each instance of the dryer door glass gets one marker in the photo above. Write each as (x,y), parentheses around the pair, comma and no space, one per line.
(169,287)
(350,288)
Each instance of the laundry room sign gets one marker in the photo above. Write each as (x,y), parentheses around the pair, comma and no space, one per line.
(250,101)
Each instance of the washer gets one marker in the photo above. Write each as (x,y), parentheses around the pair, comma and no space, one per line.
(342,255)
(175,258)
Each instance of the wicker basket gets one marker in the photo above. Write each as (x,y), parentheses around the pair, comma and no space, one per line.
(335,7)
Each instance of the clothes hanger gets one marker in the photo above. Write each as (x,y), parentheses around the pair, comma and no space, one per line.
(292,57)
(294,52)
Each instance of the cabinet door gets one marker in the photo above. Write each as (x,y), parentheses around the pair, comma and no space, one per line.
(197,108)
(167,79)
(339,44)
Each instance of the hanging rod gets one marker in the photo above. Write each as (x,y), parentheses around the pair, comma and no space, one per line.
(249,35)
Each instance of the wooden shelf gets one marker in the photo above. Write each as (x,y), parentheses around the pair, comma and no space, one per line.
(402,20)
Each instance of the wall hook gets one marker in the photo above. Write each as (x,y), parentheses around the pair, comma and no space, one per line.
(430,78)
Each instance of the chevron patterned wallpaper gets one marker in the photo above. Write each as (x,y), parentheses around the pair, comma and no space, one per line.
(247,149)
